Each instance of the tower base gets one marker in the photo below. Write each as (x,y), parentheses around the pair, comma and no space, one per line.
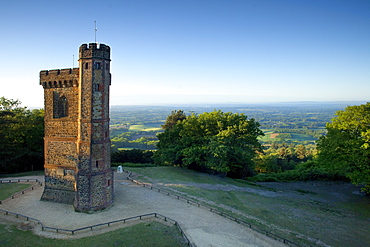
(57,195)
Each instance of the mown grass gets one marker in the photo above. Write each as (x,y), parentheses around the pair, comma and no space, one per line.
(8,189)
(23,174)
(141,235)
(299,214)
(169,174)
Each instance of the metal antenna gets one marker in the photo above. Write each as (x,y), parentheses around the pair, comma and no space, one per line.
(73,61)
(95,31)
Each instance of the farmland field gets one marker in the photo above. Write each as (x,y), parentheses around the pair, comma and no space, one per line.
(298,123)
(271,136)
(146,127)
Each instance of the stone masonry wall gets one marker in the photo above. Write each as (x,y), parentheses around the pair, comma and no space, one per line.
(60,134)
(77,144)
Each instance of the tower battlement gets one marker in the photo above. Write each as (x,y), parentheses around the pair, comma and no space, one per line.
(94,50)
(59,78)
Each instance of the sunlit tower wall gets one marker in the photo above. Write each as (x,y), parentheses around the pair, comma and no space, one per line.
(94,178)
(60,140)
(77,144)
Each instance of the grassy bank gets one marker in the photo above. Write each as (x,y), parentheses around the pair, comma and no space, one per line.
(8,189)
(309,213)
(23,174)
(141,235)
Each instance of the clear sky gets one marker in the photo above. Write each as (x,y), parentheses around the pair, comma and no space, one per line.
(194,51)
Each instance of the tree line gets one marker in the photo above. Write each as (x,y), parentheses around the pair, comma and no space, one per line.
(216,142)
(21,137)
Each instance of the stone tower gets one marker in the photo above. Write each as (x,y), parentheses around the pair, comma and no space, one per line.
(77,144)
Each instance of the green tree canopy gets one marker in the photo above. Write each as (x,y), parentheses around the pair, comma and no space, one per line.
(21,137)
(176,115)
(216,141)
(346,146)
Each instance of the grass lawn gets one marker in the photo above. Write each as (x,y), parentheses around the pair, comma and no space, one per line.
(166,174)
(141,235)
(8,189)
(22,174)
(310,218)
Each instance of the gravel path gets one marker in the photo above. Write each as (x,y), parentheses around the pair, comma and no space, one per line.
(202,227)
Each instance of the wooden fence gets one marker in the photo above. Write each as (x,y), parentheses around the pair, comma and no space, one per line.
(187,200)
(4,181)
(108,224)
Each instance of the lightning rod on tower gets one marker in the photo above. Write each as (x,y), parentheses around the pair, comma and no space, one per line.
(95,31)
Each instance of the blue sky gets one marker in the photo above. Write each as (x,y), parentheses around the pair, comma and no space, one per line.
(201,51)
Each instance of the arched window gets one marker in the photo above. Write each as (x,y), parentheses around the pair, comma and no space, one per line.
(62,107)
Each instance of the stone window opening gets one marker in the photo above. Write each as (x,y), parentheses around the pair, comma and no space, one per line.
(109,182)
(86,65)
(97,66)
(97,164)
(62,107)
(96,87)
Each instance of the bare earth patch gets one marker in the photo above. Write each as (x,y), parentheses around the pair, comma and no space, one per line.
(272,136)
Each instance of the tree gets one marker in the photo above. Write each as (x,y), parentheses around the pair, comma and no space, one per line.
(174,118)
(9,104)
(300,152)
(224,143)
(21,137)
(346,146)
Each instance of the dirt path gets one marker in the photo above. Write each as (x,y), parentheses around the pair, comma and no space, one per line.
(202,227)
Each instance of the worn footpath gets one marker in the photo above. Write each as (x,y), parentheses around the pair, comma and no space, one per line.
(202,227)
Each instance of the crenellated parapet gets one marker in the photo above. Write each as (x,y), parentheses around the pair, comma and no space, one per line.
(58,78)
(94,50)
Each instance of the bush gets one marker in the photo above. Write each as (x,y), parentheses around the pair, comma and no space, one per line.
(303,172)
(129,164)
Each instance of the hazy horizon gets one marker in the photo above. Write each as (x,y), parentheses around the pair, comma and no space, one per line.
(233,104)
(175,52)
